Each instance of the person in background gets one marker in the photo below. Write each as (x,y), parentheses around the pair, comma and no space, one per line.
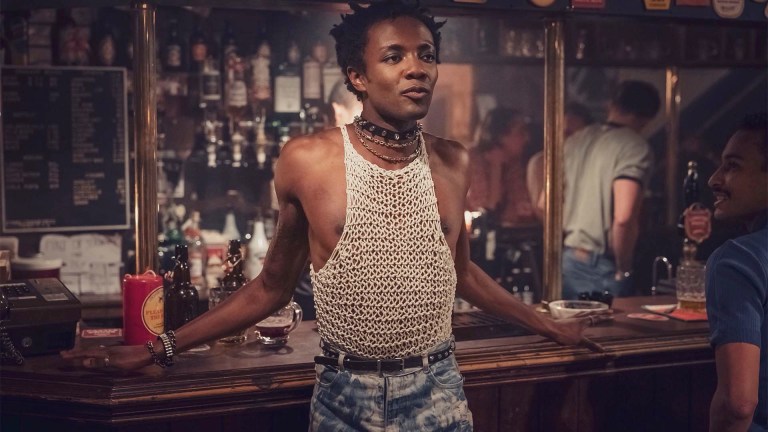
(498,169)
(344,103)
(607,168)
(577,117)
(377,208)
(737,283)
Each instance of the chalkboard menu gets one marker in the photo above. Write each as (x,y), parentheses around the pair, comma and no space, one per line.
(64,142)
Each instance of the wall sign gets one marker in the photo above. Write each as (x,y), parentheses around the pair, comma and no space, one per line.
(63,149)
(728,8)
(588,4)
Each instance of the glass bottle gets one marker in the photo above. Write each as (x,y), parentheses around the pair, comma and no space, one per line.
(690,194)
(288,84)
(197,250)
(181,298)
(261,85)
(257,249)
(229,48)
(173,57)
(210,85)
(198,50)
(230,231)
(233,275)
(64,33)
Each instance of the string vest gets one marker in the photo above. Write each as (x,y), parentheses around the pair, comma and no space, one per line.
(388,287)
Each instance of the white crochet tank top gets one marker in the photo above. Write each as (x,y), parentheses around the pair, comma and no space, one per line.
(387,289)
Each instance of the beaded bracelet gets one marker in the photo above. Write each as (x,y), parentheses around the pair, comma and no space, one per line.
(169,343)
(162,362)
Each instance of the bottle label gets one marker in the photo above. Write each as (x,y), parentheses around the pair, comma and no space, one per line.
(237,94)
(173,56)
(195,266)
(698,223)
(287,94)
(262,90)
(152,311)
(312,81)
(199,52)
(211,87)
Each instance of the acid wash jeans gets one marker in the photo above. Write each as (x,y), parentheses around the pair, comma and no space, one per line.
(417,399)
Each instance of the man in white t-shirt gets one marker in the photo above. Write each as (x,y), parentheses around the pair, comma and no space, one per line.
(607,167)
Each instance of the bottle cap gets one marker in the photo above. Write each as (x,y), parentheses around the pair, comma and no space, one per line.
(182,252)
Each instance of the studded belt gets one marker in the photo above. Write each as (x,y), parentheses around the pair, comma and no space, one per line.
(330,357)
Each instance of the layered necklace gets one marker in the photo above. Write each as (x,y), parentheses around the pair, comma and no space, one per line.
(367,131)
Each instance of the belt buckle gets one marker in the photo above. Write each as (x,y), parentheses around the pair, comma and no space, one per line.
(387,361)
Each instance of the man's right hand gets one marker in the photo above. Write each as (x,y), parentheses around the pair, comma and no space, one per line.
(570,331)
(121,357)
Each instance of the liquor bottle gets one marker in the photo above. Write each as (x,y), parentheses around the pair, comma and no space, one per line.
(261,86)
(230,231)
(105,43)
(181,298)
(173,57)
(210,83)
(234,277)
(288,84)
(197,251)
(18,39)
(237,93)
(198,50)
(64,43)
(229,49)
(690,194)
(257,249)
(331,75)
(527,295)
(312,82)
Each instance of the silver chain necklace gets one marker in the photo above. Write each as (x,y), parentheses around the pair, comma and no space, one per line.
(390,159)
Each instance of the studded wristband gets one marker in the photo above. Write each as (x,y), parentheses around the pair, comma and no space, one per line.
(168,339)
(162,362)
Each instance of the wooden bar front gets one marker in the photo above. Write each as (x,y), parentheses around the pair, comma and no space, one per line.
(654,376)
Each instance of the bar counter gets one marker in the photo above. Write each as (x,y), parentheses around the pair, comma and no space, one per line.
(654,376)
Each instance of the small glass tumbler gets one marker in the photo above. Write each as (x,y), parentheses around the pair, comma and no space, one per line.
(215,297)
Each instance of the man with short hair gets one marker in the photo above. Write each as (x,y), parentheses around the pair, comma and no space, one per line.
(377,208)
(737,284)
(607,167)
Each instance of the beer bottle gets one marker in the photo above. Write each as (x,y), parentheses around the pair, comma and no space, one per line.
(233,276)
(690,194)
(181,298)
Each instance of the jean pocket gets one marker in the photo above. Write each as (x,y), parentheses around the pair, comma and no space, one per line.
(445,374)
(325,375)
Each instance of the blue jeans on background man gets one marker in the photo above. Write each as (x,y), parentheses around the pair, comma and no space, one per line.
(585,271)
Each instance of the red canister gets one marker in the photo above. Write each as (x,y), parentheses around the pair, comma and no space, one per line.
(142,307)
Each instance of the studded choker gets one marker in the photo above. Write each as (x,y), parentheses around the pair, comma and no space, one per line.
(386,133)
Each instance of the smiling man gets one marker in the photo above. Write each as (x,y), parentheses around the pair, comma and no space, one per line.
(377,208)
(737,284)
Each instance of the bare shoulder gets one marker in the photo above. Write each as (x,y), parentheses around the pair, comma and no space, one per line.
(304,156)
(309,147)
(451,154)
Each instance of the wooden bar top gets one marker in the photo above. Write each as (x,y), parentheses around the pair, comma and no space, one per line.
(233,378)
